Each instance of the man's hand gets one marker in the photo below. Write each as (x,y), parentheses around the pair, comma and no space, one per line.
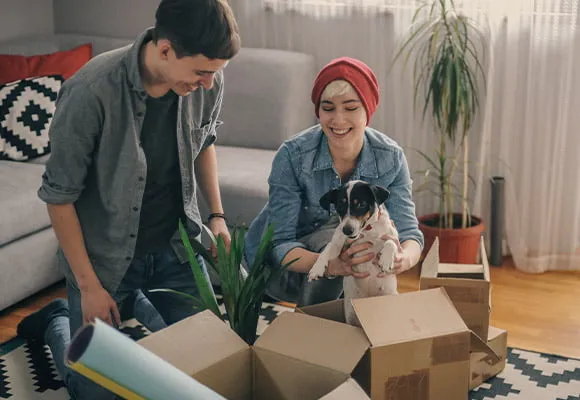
(96,302)
(218,226)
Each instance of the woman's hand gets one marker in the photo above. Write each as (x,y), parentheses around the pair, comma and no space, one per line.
(348,258)
(402,261)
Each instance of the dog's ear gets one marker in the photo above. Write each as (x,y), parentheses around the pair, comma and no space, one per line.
(381,193)
(328,198)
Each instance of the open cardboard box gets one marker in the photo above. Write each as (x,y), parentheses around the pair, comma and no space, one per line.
(419,345)
(468,286)
(482,367)
(297,357)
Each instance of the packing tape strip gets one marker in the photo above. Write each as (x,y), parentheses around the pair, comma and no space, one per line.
(450,348)
(105,382)
(413,386)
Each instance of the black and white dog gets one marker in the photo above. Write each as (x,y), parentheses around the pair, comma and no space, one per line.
(363,218)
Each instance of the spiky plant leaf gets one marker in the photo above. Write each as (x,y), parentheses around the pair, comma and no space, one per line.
(205,291)
(242,292)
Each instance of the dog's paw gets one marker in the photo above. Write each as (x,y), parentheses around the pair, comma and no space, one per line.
(316,272)
(387,259)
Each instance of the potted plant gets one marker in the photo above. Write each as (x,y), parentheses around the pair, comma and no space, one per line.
(447,49)
(242,291)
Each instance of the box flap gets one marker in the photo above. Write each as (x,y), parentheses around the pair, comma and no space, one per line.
(494,332)
(432,268)
(315,340)
(333,310)
(349,390)
(484,260)
(478,345)
(431,261)
(409,316)
(194,343)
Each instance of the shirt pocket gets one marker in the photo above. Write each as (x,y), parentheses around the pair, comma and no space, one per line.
(312,215)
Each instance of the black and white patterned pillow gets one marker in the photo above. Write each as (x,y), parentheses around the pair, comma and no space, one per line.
(26,110)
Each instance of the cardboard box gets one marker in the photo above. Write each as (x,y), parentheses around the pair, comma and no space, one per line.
(468,286)
(419,345)
(484,367)
(297,357)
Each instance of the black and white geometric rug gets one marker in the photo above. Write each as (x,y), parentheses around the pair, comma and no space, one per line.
(27,372)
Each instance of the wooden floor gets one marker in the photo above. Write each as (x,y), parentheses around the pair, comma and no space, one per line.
(540,312)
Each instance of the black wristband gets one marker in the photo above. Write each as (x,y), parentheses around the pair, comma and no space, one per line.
(216,215)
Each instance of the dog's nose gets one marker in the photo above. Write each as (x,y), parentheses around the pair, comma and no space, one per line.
(347,230)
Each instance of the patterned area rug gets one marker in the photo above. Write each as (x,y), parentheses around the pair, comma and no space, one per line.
(27,372)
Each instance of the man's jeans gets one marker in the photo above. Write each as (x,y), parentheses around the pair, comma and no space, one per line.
(154,310)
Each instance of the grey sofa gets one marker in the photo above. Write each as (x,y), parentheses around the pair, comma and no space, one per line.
(266,101)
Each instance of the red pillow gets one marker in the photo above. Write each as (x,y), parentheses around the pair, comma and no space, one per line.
(64,63)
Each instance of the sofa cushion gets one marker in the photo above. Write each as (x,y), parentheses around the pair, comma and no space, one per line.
(21,211)
(26,110)
(267,98)
(243,177)
(64,63)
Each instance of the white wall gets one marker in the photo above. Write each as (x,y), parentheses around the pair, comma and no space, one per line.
(25,17)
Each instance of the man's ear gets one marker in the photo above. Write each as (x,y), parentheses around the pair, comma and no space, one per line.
(328,199)
(381,193)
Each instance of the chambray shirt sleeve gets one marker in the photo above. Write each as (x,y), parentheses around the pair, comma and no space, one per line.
(400,203)
(284,204)
(73,133)
(215,114)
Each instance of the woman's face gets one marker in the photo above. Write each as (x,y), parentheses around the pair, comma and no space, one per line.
(343,119)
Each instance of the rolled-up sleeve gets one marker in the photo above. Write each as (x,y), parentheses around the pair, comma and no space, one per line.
(215,114)
(73,132)
(285,201)
(401,206)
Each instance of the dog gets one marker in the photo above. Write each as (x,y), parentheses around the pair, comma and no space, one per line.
(363,218)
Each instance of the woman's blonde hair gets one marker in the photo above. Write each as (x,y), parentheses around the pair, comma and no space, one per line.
(336,88)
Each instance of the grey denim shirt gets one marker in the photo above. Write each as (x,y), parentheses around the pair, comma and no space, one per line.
(98,164)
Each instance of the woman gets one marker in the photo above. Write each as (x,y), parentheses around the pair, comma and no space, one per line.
(340,148)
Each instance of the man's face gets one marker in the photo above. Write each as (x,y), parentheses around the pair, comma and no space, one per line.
(186,74)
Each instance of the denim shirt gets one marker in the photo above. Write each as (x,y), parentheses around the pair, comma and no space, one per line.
(98,164)
(302,172)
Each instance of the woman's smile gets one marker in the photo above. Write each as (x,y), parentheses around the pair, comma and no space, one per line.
(340,132)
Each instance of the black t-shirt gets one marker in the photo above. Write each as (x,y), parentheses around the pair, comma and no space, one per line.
(162,204)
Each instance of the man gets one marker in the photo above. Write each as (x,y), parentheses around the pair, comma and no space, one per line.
(132,131)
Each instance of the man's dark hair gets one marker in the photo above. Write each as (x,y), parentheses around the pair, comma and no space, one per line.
(194,27)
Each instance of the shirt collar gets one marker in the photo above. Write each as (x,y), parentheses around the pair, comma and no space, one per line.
(323,159)
(132,60)
(366,166)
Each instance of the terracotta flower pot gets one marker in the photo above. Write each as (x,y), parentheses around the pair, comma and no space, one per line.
(456,246)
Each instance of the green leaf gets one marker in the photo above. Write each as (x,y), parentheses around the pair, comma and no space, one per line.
(205,291)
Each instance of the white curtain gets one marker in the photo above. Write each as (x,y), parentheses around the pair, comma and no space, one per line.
(527,128)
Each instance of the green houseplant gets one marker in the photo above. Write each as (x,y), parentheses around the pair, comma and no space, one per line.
(448,75)
(242,291)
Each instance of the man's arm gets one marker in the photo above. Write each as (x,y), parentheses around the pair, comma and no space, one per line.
(73,133)
(67,228)
(206,171)
(207,175)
